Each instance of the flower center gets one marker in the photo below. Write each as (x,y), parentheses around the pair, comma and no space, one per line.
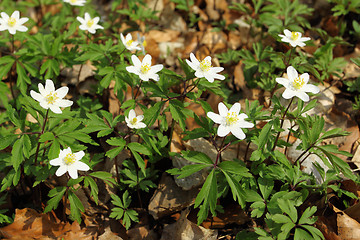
(11,22)
(231,118)
(51,98)
(90,23)
(294,36)
(69,159)
(205,65)
(298,83)
(128,43)
(73,1)
(145,68)
(144,43)
(133,121)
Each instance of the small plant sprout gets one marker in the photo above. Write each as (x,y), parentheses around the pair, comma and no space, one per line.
(76,2)
(69,162)
(129,43)
(144,69)
(294,38)
(230,120)
(205,69)
(51,98)
(296,85)
(13,23)
(134,121)
(89,24)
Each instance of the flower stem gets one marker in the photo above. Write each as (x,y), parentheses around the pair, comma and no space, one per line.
(282,123)
(138,90)
(41,133)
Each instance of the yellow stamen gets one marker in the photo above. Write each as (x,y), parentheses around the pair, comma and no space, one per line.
(51,98)
(133,121)
(90,23)
(298,83)
(69,159)
(231,118)
(144,43)
(145,68)
(73,1)
(11,22)
(294,36)
(128,43)
(205,65)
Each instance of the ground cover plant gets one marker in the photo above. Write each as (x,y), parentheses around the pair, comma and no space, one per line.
(179,119)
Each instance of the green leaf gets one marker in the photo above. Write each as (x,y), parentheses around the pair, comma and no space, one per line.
(279,218)
(234,168)
(8,140)
(93,187)
(208,192)
(137,147)
(76,207)
(139,161)
(17,154)
(190,169)
(47,136)
(197,157)
(236,189)
(266,185)
(55,195)
(152,113)
(105,176)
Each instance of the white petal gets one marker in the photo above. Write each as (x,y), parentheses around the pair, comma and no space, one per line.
(207,59)
(49,86)
(81,20)
(136,61)
(3,27)
(215,117)
(23,20)
(140,125)
(73,172)
(37,96)
(238,132)
(156,68)
(22,28)
(147,60)
(61,170)
(64,103)
(302,95)
(61,92)
(12,30)
(132,114)
(96,20)
(56,162)
(55,109)
(192,65)
(140,118)
(16,15)
(145,77)
(218,76)
(310,88)
(217,69)
(44,104)
(288,93)
(283,81)
(122,38)
(287,33)
(81,166)
(4,16)
(305,77)
(245,124)
(79,155)
(194,59)
(210,78)
(292,73)
(235,108)
(132,69)
(199,74)
(304,39)
(223,130)
(223,110)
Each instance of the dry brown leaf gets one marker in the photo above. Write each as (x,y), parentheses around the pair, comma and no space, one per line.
(29,224)
(348,228)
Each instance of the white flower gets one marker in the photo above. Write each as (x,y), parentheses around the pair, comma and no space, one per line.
(144,68)
(49,98)
(204,68)
(69,162)
(230,120)
(89,23)
(134,121)
(76,2)
(294,38)
(142,42)
(13,23)
(130,44)
(297,85)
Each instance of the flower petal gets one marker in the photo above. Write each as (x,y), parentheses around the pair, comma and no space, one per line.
(56,162)
(288,93)
(49,86)
(223,130)
(73,172)
(215,117)
(235,108)
(132,114)
(311,88)
(37,96)
(223,110)
(136,61)
(302,95)
(292,73)
(61,170)
(61,92)
(282,81)
(64,103)
(287,33)
(140,125)
(81,166)
(55,109)
(16,15)
(238,132)
(147,60)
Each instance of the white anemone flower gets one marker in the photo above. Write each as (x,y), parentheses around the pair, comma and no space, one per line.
(51,98)
(69,162)
(13,23)
(294,38)
(204,68)
(89,24)
(76,2)
(296,85)
(144,69)
(230,121)
(129,43)
(134,121)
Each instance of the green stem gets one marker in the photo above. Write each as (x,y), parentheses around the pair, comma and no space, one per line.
(138,90)
(282,123)
(41,133)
